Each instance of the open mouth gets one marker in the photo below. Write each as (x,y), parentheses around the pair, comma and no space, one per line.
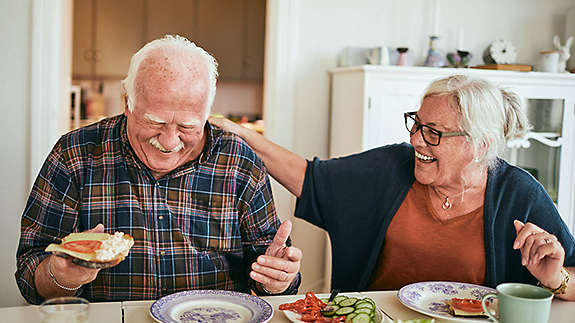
(424,158)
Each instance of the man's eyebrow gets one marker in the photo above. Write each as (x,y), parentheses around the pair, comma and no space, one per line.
(191,123)
(153,118)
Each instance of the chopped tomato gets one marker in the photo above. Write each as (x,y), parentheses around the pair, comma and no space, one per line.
(467,305)
(310,308)
(83,246)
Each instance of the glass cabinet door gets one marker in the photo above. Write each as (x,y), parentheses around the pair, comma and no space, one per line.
(540,152)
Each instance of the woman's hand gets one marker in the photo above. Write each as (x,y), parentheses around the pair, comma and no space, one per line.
(227,125)
(541,253)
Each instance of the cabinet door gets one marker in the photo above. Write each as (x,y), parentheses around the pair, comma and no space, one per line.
(220,32)
(175,17)
(119,34)
(255,25)
(82,44)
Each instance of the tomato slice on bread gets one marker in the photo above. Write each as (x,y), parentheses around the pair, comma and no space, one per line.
(83,246)
(466,307)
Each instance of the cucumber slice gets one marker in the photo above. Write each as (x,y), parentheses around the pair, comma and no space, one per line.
(344,310)
(350,317)
(362,304)
(348,301)
(365,310)
(339,298)
(368,300)
(361,318)
(329,310)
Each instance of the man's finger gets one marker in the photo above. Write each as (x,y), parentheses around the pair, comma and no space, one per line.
(282,234)
(99,228)
(518,227)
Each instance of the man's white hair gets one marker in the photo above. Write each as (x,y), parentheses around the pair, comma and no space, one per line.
(180,45)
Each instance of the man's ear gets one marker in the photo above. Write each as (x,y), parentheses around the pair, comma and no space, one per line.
(125,101)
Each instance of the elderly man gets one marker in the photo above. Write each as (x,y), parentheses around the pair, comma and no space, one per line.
(196,200)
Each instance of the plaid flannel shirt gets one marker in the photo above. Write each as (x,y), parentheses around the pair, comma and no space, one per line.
(199,227)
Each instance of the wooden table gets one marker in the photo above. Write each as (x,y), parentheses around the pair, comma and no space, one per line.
(138,311)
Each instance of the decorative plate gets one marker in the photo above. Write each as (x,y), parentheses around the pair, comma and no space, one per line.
(429,298)
(217,306)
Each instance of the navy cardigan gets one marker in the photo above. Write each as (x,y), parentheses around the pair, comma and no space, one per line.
(354,199)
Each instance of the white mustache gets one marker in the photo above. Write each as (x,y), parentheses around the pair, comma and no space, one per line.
(154,142)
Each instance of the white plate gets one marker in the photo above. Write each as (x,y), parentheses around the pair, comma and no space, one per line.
(211,306)
(295,317)
(429,298)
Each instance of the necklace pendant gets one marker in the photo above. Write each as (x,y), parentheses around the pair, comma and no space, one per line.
(446,204)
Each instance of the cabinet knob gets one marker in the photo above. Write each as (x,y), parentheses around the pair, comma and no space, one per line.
(88,55)
(97,55)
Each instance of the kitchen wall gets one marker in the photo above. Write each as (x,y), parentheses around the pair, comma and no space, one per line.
(15,17)
(324,27)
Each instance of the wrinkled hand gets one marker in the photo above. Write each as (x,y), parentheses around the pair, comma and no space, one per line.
(279,266)
(226,125)
(541,253)
(68,273)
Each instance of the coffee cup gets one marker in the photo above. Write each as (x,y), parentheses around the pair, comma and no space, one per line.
(520,303)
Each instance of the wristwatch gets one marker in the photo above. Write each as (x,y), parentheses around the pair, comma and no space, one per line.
(564,280)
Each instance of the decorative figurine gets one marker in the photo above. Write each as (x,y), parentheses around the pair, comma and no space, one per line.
(500,52)
(564,52)
(434,57)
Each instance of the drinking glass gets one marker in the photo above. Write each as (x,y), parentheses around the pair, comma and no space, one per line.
(65,310)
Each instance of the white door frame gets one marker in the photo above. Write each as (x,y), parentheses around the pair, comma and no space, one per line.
(50,70)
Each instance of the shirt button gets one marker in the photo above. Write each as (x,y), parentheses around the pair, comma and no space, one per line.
(163,253)
(161,217)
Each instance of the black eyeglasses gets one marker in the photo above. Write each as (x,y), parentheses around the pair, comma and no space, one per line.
(430,135)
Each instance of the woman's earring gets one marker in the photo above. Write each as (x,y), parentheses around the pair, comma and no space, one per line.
(476,159)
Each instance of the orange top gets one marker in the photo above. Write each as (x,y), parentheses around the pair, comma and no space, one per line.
(419,246)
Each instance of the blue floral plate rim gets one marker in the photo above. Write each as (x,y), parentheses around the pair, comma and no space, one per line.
(163,309)
(429,298)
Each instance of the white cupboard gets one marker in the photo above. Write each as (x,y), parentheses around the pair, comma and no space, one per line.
(368,102)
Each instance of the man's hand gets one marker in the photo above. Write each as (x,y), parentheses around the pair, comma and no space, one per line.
(65,272)
(541,253)
(280,265)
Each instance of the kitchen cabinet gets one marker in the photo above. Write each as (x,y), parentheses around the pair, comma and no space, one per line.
(368,102)
(108,32)
(106,35)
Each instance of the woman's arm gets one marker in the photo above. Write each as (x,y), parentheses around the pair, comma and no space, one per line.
(286,167)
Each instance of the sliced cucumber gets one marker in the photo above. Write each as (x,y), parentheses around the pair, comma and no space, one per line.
(348,301)
(350,317)
(361,318)
(330,310)
(364,304)
(368,300)
(339,298)
(365,310)
(344,310)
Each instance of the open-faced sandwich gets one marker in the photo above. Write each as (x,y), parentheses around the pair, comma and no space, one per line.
(94,250)
(465,307)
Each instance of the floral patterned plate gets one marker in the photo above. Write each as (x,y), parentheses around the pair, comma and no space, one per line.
(429,298)
(211,306)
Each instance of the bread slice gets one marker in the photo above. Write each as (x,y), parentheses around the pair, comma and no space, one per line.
(94,250)
(465,307)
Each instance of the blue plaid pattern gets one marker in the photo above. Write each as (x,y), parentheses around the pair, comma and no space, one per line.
(199,227)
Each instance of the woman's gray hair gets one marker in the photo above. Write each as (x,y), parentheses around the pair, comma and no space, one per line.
(490,115)
(181,45)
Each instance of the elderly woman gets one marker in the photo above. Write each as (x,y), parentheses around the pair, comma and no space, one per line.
(444,207)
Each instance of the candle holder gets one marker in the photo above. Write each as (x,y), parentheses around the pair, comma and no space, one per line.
(434,57)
